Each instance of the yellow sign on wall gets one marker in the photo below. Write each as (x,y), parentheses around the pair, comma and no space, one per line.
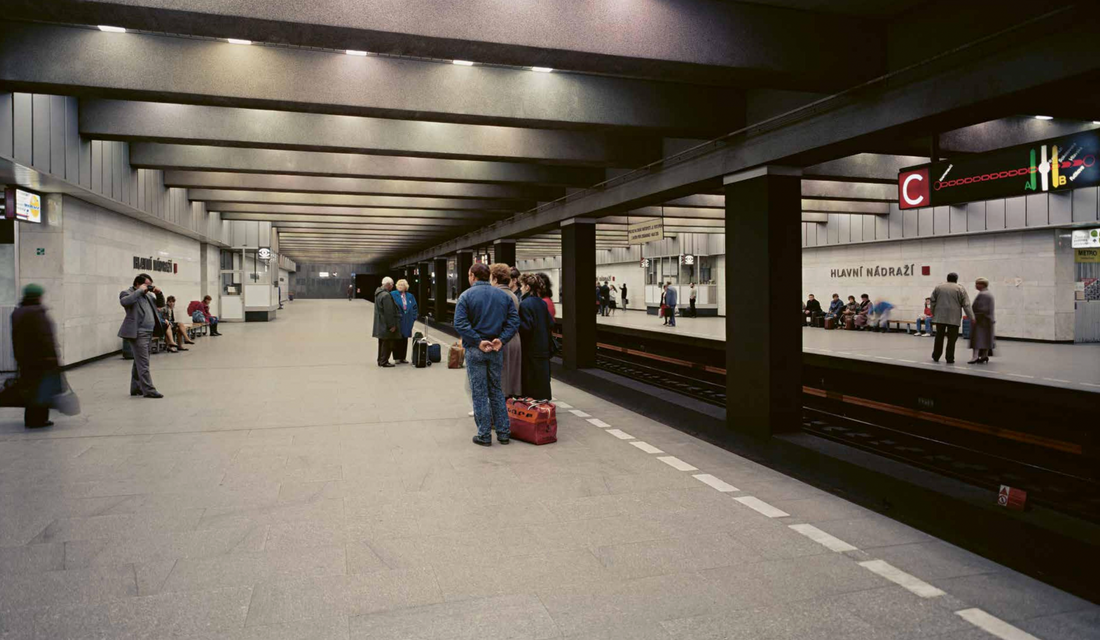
(1091,256)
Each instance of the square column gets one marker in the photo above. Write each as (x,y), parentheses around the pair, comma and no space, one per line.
(578,282)
(763,291)
(439,291)
(505,251)
(423,286)
(463,261)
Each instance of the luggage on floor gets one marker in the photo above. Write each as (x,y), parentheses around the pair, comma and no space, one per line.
(456,356)
(850,323)
(532,420)
(819,322)
(435,352)
(420,353)
(830,323)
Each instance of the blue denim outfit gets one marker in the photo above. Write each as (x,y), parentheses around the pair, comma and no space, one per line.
(483,372)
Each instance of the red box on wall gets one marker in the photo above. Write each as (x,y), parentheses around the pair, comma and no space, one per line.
(1015,499)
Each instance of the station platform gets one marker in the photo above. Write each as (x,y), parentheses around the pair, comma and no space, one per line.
(1070,366)
(287,487)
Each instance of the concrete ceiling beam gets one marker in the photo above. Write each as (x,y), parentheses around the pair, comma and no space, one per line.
(864,167)
(39,57)
(151,155)
(846,206)
(745,42)
(412,215)
(268,129)
(844,190)
(356,186)
(397,225)
(333,200)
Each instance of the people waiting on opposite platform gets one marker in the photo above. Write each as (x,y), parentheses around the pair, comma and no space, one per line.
(691,301)
(406,303)
(387,322)
(982,334)
(836,307)
(949,302)
(864,312)
(668,303)
(811,310)
(604,298)
(536,336)
(487,320)
(924,322)
(511,371)
(612,303)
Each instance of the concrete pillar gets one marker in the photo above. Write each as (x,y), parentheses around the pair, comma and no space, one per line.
(578,294)
(423,286)
(763,290)
(463,262)
(505,251)
(439,291)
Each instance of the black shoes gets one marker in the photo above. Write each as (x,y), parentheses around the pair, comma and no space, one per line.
(483,443)
(155,394)
(135,393)
(402,361)
(387,364)
(504,440)
(978,361)
(48,423)
(216,335)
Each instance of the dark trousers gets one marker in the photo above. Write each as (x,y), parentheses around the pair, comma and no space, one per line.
(400,349)
(213,325)
(36,416)
(952,333)
(692,307)
(141,380)
(385,350)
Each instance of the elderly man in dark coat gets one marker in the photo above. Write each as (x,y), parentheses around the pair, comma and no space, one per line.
(35,350)
(949,302)
(141,323)
(387,322)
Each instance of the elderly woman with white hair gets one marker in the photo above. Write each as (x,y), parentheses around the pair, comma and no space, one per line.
(981,332)
(409,313)
(387,322)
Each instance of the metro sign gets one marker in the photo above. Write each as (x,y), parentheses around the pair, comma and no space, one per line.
(1057,164)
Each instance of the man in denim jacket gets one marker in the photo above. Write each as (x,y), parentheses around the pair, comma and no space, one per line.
(487,319)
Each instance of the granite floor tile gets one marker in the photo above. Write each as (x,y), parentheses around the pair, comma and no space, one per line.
(1012,596)
(31,558)
(672,555)
(61,588)
(504,574)
(496,618)
(243,569)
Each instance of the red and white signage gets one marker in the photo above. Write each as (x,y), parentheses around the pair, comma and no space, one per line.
(914,189)
(1014,499)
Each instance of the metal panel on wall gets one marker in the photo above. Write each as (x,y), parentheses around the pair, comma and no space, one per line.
(1060,207)
(1085,204)
(975,216)
(957,213)
(1015,212)
(97,166)
(845,234)
(22,134)
(856,228)
(6,124)
(925,222)
(1036,210)
(72,141)
(896,228)
(40,132)
(869,226)
(57,135)
(941,222)
(995,215)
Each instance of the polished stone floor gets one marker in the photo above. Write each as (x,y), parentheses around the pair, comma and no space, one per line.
(1073,366)
(288,488)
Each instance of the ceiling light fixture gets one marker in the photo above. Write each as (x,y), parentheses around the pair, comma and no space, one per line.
(110,29)
(1096,121)
(462,63)
(353,52)
(236,41)
(1044,117)
(542,69)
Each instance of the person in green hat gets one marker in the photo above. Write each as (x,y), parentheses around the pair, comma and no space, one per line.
(32,336)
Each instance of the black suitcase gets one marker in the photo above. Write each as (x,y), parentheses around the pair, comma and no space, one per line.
(420,351)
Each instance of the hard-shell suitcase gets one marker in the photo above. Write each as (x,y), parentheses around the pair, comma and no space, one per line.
(830,323)
(435,352)
(533,421)
(819,322)
(420,351)
(456,356)
(850,323)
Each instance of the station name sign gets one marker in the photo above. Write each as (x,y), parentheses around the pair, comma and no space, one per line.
(151,264)
(876,271)
(1049,166)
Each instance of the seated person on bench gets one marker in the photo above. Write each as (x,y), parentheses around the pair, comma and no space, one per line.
(864,313)
(207,317)
(836,307)
(850,311)
(812,310)
(924,323)
(175,325)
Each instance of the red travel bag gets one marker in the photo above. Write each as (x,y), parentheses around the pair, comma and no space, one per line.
(533,421)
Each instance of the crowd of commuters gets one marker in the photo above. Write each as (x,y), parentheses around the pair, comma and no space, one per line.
(941,317)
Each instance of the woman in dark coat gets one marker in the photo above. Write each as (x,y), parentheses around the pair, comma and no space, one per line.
(535,326)
(406,303)
(981,331)
(36,353)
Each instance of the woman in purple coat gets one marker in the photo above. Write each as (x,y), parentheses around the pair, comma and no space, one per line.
(982,335)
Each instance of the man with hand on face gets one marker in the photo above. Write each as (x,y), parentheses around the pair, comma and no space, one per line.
(487,319)
(142,322)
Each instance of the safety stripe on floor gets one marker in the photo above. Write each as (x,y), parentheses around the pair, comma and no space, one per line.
(645,446)
(994,625)
(899,577)
(677,463)
(720,485)
(621,435)
(830,542)
(758,505)
(599,423)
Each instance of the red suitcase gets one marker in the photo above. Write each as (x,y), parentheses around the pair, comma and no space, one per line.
(830,323)
(533,421)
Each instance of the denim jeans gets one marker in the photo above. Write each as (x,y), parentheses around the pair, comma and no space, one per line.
(926,322)
(483,372)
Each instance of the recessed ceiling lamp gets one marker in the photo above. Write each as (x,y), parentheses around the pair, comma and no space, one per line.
(462,63)
(542,69)
(236,41)
(353,52)
(1096,121)
(1044,117)
(110,29)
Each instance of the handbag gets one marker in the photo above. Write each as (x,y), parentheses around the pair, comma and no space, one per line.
(664,311)
(11,393)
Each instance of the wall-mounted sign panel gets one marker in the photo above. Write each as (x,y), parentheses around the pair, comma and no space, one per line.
(264,254)
(643,232)
(22,205)
(1086,239)
(1050,166)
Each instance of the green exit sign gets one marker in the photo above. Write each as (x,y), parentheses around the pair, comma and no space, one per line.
(40,251)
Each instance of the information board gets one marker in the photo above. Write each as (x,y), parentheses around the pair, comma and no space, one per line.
(23,205)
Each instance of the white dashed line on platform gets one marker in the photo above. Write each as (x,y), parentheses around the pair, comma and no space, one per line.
(882,358)
(759,506)
(580,414)
(994,625)
(677,463)
(899,577)
(828,541)
(711,481)
(1020,375)
(645,446)
(621,435)
(1057,380)
(907,361)
(562,405)
(599,423)
(1089,384)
